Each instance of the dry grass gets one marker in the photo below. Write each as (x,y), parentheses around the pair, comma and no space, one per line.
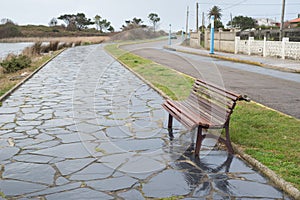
(5,82)
(92,39)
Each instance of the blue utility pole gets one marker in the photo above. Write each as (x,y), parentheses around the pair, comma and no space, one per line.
(212,34)
(170,35)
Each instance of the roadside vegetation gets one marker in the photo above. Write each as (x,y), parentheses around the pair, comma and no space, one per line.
(268,136)
(11,30)
(15,63)
(15,68)
(9,80)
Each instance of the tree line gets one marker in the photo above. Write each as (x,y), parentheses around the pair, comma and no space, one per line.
(80,21)
(72,22)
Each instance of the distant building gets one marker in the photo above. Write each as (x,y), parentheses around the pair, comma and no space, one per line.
(293,23)
(265,22)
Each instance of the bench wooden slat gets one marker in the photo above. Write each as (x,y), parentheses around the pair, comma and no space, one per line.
(184,114)
(207,105)
(230,94)
(176,114)
(199,119)
(218,111)
(205,114)
(194,119)
(216,97)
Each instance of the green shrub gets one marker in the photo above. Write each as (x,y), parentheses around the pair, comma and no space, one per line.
(14,63)
(86,43)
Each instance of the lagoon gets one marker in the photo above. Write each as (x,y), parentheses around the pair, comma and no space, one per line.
(15,48)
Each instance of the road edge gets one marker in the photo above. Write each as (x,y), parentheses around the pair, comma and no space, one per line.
(277,180)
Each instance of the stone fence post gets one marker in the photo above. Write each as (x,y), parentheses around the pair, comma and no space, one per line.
(284,41)
(206,39)
(265,47)
(249,45)
(199,38)
(236,44)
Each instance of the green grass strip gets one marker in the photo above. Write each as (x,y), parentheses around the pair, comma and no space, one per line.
(268,136)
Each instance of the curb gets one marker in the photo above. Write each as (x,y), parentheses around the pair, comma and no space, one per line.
(161,93)
(8,93)
(278,181)
(234,60)
(275,110)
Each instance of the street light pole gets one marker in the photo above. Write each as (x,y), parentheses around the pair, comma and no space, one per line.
(187,22)
(197,17)
(212,34)
(282,20)
(170,34)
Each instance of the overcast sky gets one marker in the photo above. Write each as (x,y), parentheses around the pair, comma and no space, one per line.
(117,11)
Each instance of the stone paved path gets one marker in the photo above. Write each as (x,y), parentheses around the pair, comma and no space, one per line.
(84,127)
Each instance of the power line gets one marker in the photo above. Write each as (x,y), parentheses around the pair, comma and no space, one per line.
(252,4)
(273,14)
(235,4)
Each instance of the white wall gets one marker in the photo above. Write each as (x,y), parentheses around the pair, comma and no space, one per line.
(226,41)
(281,49)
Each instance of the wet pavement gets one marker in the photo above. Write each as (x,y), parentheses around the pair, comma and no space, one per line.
(85,127)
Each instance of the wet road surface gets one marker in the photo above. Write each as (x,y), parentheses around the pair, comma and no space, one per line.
(84,127)
(275,89)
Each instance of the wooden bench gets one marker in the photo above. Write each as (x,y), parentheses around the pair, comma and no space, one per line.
(207,107)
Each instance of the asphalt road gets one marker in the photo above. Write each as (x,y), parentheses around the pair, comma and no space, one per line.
(275,89)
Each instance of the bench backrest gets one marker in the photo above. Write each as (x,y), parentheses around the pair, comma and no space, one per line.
(211,102)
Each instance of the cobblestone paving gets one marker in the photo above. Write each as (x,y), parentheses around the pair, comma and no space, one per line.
(84,127)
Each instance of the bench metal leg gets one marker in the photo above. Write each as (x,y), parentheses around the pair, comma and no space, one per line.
(193,134)
(170,122)
(170,130)
(199,141)
(228,141)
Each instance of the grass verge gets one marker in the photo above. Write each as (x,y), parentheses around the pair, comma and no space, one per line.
(172,83)
(268,136)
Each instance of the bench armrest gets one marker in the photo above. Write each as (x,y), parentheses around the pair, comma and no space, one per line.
(244,98)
